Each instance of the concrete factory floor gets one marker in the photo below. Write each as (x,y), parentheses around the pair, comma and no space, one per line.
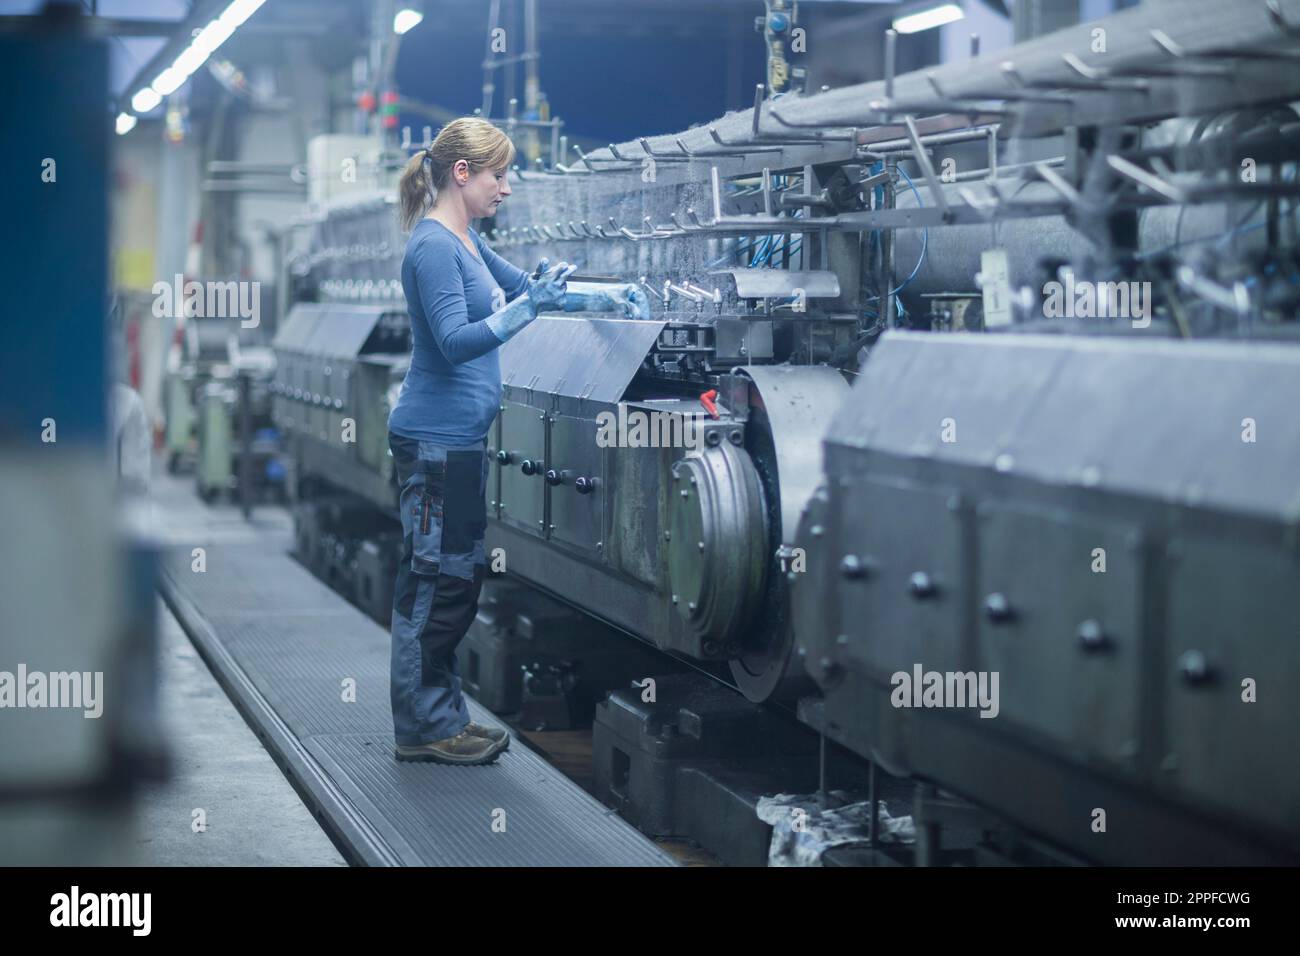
(253,815)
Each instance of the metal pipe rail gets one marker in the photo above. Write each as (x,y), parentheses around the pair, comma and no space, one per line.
(1226,54)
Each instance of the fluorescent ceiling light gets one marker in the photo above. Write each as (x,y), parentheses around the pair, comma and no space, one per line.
(125,123)
(213,35)
(194,56)
(145,100)
(926,19)
(189,61)
(405,19)
(168,81)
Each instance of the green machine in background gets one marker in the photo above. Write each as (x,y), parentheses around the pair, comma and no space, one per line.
(178,408)
(238,448)
(202,354)
(210,379)
(213,471)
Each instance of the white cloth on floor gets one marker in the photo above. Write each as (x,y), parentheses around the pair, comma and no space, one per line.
(802,829)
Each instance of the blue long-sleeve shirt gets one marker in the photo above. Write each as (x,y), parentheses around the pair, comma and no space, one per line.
(453,388)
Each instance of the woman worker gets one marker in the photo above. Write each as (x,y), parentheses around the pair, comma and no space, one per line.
(464,301)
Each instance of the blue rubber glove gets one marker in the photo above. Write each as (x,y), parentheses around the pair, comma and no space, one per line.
(546,291)
(627,301)
(547,287)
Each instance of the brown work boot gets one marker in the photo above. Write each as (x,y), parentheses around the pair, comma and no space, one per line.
(464,748)
(495,734)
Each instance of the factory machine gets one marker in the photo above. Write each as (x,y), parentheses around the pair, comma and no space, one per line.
(341,354)
(988,370)
(218,410)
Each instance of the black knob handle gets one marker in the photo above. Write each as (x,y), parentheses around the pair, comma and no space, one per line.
(530,467)
(504,457)
(585,486)
(553,477)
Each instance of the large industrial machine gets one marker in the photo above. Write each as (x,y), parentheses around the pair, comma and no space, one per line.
(987,372)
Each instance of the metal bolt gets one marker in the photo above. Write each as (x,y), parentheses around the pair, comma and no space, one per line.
(998,608)
(701,545)
(1195,667)
(668,536)
(713,438)
(685,493)
(921,585)
(690,605)
(1092,635)
(816,531)
(853,567)
(735,436)
(674,598)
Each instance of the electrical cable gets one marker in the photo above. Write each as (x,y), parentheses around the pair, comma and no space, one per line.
(925,239)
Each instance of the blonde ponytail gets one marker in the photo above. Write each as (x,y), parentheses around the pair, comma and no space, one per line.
(470,138)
